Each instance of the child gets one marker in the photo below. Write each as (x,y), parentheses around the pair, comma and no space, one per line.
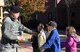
(53,41)
(41,35)
(72,38)
(39,39)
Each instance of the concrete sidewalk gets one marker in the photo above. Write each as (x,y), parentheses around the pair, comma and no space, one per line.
(63,37)
(25,49)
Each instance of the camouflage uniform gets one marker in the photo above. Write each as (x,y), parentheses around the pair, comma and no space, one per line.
(10,30)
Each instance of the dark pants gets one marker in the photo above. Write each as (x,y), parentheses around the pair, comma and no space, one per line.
(47,50)
(36,50)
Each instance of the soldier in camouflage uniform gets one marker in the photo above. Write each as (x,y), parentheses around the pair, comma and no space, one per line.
(12,30)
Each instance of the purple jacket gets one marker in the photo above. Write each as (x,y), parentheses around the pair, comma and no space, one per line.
(70,44)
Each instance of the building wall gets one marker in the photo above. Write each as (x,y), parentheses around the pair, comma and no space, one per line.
(61,16)
(75,15)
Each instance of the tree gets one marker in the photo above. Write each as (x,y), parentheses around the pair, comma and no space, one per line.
(28,7)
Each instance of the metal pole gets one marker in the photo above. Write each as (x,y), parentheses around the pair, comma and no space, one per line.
(68,16)
(55,3)
(55,9)
(67,2)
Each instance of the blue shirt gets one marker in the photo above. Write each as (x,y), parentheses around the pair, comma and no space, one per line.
(53,42)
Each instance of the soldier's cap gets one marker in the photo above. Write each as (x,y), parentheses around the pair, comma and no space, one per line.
(15,9)
(52,23)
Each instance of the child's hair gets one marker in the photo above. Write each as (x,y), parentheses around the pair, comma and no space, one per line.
(41,25)
(71,31)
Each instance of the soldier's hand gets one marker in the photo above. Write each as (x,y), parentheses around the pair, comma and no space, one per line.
(20,38)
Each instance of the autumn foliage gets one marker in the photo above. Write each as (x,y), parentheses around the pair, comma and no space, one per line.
(30,6)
